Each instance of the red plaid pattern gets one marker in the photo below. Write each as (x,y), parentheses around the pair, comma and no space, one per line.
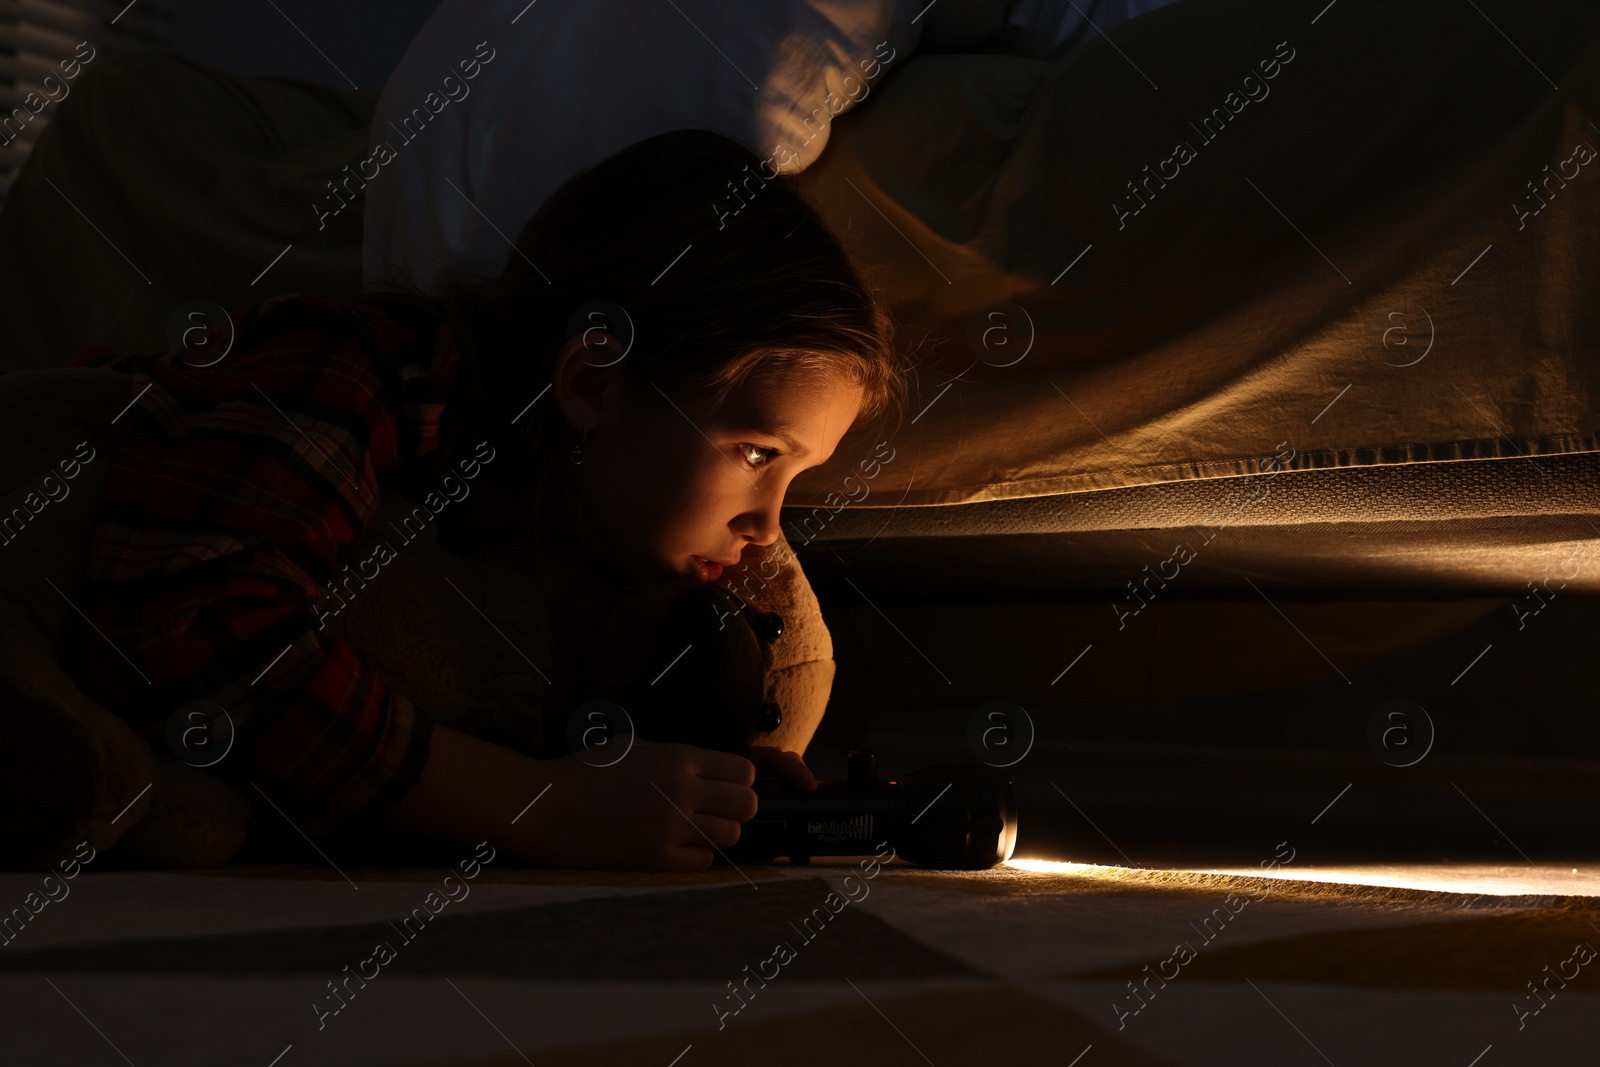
(230,492)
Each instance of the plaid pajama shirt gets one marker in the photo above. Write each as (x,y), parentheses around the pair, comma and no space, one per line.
(231,490)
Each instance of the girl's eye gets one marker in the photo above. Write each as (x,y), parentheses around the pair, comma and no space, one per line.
(761,455)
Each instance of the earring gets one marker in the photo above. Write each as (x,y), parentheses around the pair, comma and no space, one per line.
(577,450)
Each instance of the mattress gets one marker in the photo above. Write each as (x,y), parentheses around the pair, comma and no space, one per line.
(1470,527)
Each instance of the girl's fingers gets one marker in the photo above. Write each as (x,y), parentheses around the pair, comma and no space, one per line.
(711,831)
(690,858)
(724,767)
(798,772)
(725,800)
(787,765)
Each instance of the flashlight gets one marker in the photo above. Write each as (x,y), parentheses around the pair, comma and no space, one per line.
(952,817)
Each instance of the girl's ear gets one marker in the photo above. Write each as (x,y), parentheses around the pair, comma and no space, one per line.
(586,365)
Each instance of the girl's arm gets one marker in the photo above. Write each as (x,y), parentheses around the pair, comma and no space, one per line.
(472,790)
(661,807)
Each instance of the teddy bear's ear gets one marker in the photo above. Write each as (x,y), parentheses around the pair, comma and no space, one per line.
(682,659)
(713,693)
(746,660)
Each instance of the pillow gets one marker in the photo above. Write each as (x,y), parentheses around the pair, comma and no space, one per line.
(496,104)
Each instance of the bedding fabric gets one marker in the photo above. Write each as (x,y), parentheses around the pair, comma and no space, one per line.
(496,104)
(1039,29)
(1317,243)
(161,183)
(1050,29)
(1233,237)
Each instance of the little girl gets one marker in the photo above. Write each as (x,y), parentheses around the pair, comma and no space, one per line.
(675,336)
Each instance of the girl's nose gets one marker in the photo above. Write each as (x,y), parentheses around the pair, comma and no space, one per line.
(761,524)
(763,528)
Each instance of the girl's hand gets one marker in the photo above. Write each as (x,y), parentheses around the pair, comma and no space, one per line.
(661,807)
(771,760)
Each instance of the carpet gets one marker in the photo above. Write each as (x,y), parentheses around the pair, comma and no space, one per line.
(1072,964)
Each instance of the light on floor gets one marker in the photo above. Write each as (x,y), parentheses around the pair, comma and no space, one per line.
(1050,866)
(1477,878)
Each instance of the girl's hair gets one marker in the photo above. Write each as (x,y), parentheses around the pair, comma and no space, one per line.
(723,272)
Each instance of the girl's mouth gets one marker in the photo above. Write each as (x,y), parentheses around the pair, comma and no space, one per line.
(706,571)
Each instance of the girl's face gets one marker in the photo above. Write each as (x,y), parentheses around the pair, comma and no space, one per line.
(666,488)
